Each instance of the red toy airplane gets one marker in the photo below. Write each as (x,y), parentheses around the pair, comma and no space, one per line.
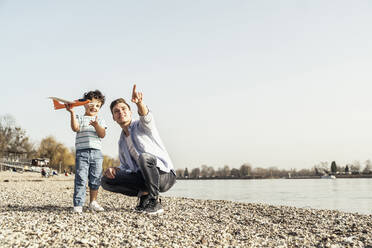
(58,105)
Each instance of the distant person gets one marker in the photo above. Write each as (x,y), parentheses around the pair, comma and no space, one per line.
(90,129)
(145,166)
(43,172)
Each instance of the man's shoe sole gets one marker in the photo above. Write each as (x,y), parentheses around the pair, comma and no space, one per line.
(156,212)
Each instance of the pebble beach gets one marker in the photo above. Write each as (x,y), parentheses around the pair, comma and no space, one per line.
(37,212)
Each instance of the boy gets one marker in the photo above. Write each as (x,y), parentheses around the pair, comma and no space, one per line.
(89,131)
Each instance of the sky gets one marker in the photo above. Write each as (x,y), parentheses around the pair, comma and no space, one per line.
(282,84)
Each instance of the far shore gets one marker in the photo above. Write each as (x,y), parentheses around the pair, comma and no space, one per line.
(71,176)
(259,177)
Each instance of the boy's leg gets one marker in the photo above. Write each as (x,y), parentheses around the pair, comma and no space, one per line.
(93,195)
(95,172)
(81,175)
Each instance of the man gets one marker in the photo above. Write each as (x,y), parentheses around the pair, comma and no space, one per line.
(145,166)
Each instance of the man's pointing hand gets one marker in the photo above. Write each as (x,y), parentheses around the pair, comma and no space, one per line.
(136,96)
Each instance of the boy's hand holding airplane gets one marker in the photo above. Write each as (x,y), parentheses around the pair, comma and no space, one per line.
(69,108)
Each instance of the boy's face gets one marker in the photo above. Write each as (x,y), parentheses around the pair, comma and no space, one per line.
(92,108)
(121,113)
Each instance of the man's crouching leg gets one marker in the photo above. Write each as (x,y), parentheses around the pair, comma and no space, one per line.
(155,182)
(128,184)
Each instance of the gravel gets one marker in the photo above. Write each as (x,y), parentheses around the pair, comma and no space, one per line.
(37,212)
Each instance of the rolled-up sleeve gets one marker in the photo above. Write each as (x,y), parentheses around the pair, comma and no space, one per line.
(147,121)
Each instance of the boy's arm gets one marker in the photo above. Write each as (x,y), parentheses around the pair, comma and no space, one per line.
(74,123)
(137,99)
(101,131)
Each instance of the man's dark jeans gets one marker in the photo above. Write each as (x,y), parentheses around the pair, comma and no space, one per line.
(149,179)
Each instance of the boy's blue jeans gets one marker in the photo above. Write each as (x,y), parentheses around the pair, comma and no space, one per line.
(88,164)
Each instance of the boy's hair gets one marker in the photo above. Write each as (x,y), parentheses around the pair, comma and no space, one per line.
(95,94)
(117,101)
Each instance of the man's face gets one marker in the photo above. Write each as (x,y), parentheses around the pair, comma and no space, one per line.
(121,113)
(92,108)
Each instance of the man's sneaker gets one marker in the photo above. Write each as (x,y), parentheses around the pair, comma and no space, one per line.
(154,207)
(77,209)
(142,202)
(94,206)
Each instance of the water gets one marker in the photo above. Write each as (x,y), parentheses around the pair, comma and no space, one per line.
(348,195)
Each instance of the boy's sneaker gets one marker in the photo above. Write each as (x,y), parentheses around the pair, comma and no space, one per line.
(77,209)
(154,207)
(94,206)
(142,202)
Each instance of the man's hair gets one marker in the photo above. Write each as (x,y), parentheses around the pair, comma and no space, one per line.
(117,101)
(95,94)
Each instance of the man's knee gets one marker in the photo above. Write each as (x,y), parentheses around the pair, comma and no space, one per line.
(166,182)
(147,159)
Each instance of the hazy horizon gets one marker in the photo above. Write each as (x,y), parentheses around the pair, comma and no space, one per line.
(275,84)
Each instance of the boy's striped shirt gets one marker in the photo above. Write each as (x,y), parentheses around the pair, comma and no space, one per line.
(87,136)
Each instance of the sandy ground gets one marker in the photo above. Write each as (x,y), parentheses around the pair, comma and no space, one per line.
(36,212)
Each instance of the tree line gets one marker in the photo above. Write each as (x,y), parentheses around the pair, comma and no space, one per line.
(247,171)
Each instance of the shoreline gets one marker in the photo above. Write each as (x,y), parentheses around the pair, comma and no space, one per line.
(36,212)
(263,178)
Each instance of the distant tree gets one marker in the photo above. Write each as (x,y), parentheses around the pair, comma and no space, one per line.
(333,167)
(245,170)
(368,167)
(211,172)
(322,168)
(293,172)
(355,167)
(305,172)
(260,172)
(219,173)
(6,126)
(186,173)
(275,172)
(204,171)
(65,158)
(13,139)
(340,168)
(56,152)
(195,173)
(316,170)
(235,173)
(179,173)
(226,171)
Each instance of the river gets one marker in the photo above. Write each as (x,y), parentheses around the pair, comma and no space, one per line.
(348,195)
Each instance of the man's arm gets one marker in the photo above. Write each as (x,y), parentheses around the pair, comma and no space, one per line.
(137,98)
(74,123)
(111,172)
